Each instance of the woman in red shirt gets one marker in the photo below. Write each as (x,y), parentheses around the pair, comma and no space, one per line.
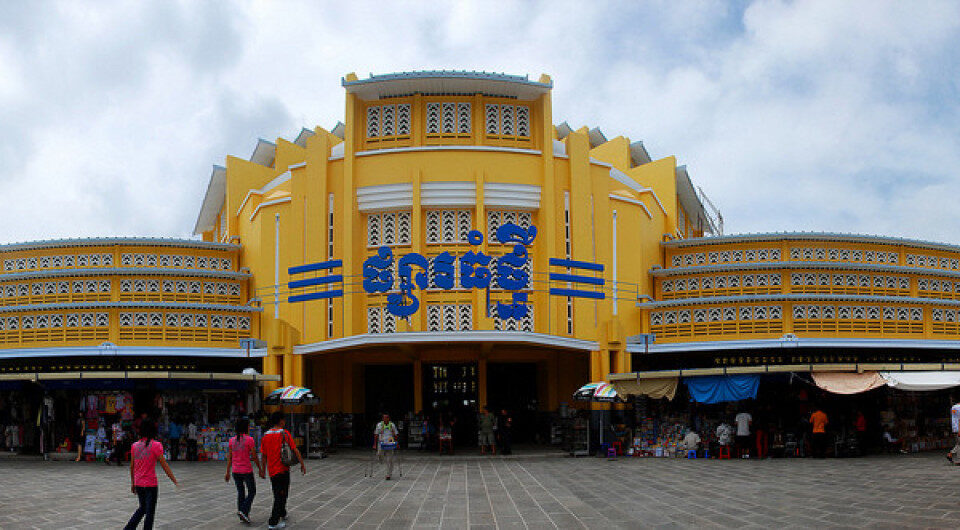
(144,456)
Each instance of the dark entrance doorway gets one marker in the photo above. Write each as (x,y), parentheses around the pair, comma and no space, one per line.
(513,386)
(387,388)
(450,394)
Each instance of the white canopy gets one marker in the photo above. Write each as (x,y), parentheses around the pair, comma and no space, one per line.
(922,380)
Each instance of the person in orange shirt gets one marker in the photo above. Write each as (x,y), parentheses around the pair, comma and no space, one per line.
(818,422)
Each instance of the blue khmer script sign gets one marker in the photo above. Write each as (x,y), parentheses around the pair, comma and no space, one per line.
(474,272)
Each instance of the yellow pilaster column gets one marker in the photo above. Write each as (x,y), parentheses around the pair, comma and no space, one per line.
(547,222)
(417,384)
(349,250)
(482,381)
(581,228)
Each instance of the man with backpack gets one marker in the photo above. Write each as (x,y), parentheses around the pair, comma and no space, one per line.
(385,442)
(279,453)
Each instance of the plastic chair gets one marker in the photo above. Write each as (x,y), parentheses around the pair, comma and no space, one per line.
(723,452)
(691,453)
(619,448)
(611,453)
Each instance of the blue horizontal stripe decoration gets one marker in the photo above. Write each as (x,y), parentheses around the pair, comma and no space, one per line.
(722,388)
(573,264)
(320,266)
(323,295)
(321,280)
(574,278)
(317,281)
(576,293)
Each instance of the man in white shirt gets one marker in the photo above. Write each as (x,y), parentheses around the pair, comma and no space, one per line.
(955,427)
(743,420)
(692,440)
(385,442)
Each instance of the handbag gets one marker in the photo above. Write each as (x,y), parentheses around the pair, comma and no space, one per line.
(287,457)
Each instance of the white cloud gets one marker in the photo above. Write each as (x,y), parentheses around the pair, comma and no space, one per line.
(792,116)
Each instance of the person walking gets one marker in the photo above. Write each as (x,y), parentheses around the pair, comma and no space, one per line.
(271,447)
(192,441)
(487,423)
(119,445)
(744,421)
(385,442)
(818,424)
(241,450)
(954,455)
(144,455)
(175,432)
(506,432)
(81,430)
(860,426)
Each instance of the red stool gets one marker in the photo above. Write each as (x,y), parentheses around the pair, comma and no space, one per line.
(723,453)
(619,449)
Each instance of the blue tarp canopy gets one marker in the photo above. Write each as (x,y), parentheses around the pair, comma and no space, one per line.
(720,388)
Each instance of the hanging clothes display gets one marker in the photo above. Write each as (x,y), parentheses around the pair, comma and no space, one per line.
(919,381)
(720,388)
(653,388)
(848,382)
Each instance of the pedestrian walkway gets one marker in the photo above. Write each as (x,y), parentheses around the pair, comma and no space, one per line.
(883,491)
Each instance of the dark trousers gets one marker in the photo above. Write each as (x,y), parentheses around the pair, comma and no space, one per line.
(174,449)
(506,439)
(761,442)
(819,443)
(281,489)
(246,491)
(192,450)
(743,445)
(147,495)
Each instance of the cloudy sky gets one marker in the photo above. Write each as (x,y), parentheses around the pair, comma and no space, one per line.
(815,115)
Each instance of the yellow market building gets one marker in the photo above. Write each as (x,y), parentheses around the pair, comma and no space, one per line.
(448,247)
(421,160)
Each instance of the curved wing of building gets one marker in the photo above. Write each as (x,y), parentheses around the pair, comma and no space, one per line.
(791,299)
(96,308)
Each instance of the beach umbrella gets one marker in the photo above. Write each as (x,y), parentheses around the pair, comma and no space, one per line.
(598,392)
(291,395)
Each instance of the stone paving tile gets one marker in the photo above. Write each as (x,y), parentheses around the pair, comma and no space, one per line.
(879,492)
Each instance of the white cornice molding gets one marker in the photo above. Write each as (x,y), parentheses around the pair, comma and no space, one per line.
(111,350)
(268,203)
(786,344)
(385,197)
(486,148)
(802,265)
(508,195)
(797,297)
(445,337)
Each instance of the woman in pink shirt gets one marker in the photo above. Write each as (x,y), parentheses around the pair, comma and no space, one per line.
(241,450)
(144,456)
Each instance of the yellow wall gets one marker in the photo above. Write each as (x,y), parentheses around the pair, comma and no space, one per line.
(645,211)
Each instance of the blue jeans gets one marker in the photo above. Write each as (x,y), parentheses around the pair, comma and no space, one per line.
(244,481)
(147,495)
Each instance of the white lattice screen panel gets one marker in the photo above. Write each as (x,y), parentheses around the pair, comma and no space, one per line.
(507,120)
(448,226)
(388,228)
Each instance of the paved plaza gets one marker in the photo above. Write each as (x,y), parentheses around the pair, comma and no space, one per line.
(551,492)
